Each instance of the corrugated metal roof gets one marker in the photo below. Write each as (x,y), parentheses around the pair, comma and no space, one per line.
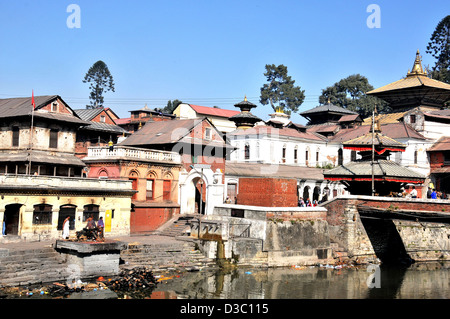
(382,168)
(213,111)
(392,130)
(327,108)
(168,132)
(40,157)
(88,114)
(378,140)
(14,107)
(273,170)
(442,144)
(270,130)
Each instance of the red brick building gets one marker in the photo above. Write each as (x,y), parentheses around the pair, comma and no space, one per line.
(203,151)
(440,164)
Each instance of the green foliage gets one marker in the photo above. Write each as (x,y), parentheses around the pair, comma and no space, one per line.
(281,90)
(350,93)
(439,48)
(171,106)
(100,80)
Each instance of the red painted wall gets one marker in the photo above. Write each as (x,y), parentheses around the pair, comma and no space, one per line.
(147,219)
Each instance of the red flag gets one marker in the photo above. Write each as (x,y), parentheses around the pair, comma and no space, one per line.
(32,100)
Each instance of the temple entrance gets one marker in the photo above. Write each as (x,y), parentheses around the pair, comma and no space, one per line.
(11,219)
(200,195)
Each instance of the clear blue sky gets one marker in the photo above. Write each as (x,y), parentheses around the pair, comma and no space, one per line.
(206,52)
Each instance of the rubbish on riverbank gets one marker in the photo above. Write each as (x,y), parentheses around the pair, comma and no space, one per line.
(135,278)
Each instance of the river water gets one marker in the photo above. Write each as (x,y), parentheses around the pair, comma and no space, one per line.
(418,281)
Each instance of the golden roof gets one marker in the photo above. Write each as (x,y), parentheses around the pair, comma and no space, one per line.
(417,77)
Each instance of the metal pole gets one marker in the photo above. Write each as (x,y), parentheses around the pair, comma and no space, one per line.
(31,141)
(373,150)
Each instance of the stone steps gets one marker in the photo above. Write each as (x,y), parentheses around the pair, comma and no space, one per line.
(176,227)
(182,255)
(25,267)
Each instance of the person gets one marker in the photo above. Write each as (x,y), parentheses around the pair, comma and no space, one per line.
(301,203)
(101,227)
(111,145)
(308,203)
(65,228)
(429,191)
(433,194)
(414,192)
(90,222)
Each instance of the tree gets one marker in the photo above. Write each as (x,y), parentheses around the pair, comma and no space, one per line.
(281,90)
(100,80)
(171,106)
(350,93)
(439,48)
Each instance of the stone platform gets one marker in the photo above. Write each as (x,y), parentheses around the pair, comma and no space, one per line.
(89,259)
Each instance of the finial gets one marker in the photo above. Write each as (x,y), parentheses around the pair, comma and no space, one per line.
(417,66)
(245,98)
(329,102)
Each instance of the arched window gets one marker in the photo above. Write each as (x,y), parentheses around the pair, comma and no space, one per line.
(150,186)
(247,151)
(340,157)
(283,154)
(296,154)
(167,187)
(133,177)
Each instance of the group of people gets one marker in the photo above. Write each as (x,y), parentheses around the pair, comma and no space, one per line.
(307,202)
(433,194)
(90,224)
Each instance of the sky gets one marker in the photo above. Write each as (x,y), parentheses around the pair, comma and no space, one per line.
(207,52)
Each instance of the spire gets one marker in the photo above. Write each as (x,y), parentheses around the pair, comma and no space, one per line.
(417,67)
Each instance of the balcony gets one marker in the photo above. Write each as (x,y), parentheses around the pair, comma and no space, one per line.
(57,185)
(100,153)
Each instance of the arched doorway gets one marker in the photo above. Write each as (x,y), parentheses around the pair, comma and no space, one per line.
(200,195)
(64,211)
(11,219)
(316,193)
(306,193)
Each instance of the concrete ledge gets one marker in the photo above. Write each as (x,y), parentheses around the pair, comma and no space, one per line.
(90,247)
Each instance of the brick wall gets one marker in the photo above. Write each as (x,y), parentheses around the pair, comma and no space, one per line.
(268,192)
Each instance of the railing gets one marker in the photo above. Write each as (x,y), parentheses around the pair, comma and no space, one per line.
(132,153)
(240,230)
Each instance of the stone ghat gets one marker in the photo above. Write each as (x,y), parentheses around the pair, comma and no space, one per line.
(160,256)
(24,267)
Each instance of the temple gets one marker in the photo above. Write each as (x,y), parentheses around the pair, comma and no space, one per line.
(388,176)
(245,119)
(415,90)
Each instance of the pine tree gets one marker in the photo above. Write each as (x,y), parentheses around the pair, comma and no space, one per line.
(101,81)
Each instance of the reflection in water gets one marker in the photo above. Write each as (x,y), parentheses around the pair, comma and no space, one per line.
(421,280)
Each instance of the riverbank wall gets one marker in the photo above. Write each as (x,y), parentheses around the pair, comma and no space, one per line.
(265,236)
(390,228)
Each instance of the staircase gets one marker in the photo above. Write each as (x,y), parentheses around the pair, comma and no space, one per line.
(182,254)
(177,226)
(24,267)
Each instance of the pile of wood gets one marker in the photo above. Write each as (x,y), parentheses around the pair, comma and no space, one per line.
(136,278)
